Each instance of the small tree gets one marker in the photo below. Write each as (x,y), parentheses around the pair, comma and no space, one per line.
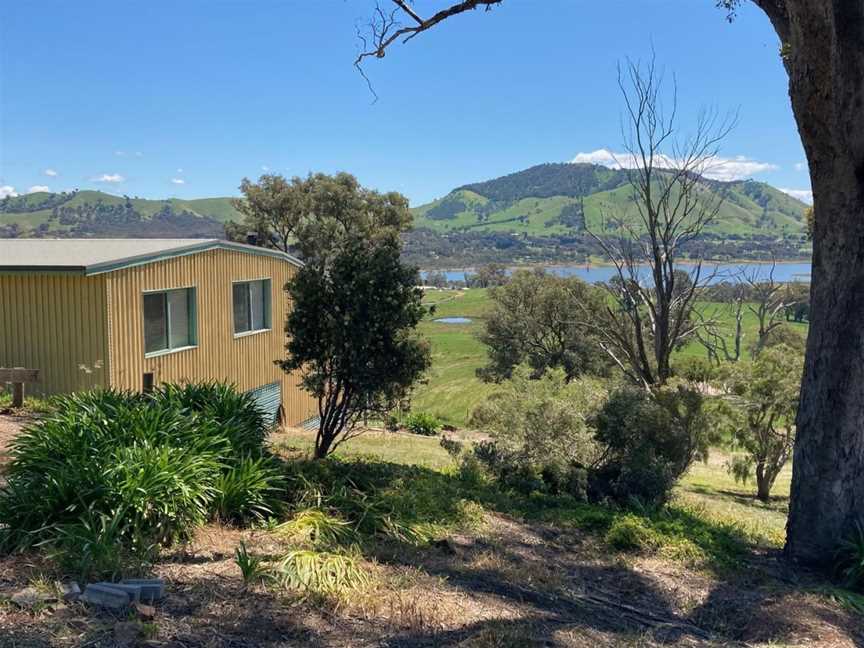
(761,407)
(351,334)
(532,321)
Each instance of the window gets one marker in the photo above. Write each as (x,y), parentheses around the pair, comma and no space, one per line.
(169,320)
(251,306)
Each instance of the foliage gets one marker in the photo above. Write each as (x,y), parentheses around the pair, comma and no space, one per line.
(248,490)
(630,532)
(489,276)
(252,568)
(649,439)
(351,334)
(761,405)
(422,423)
(109,475)
(321,572)
(693,369)
(318,528)
(537,318)
(544,421)
(849,559)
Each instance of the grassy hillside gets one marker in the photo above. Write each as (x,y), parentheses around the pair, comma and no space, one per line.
(561,199)
(95,213)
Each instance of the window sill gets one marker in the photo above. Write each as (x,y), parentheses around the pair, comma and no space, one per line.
(248,333)
(156,354)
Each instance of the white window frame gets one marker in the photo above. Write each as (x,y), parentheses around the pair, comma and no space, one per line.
(192,305)
(267,292)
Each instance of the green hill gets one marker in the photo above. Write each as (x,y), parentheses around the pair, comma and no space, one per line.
(551,200)
(98,214)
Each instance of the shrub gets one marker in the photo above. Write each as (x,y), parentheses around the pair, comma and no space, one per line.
(321,572)
(692,369)
(849,560)
(542,424)
(422,423)
(631,533)
(452,447)
(649,440)
(110,475)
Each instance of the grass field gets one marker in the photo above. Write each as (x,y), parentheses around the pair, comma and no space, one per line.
(452,389)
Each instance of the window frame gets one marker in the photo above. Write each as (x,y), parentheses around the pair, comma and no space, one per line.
(192,315)
(266,293)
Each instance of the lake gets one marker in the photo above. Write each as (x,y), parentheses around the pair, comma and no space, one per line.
(718,272)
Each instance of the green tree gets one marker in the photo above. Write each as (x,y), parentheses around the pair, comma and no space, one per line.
(355,307)
(823,53)
(272,208)
(763,402)
(538,318)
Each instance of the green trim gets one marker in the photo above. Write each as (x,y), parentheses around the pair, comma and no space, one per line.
(205,246)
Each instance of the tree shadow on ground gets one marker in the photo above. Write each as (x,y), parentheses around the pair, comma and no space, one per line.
(549,562)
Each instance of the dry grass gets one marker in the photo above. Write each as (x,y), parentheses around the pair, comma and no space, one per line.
(508,583)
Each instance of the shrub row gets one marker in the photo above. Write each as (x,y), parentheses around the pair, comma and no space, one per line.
(110,476)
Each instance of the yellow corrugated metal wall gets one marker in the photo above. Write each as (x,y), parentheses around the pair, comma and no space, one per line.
(245,361)
(55,323)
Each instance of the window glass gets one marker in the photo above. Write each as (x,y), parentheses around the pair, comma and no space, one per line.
(169,320)
(155,322)
(251,306)
(256,304)
(241,308)
(178,315)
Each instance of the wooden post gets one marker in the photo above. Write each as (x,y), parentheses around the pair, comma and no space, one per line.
(18,376)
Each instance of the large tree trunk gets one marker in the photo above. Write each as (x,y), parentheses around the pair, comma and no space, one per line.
(823,48)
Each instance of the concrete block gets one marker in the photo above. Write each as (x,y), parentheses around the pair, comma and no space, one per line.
(132,591)
(152,589)
(105,595)
(70,591)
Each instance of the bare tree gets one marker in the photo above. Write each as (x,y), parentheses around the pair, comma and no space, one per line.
(713,335)
(768,301)
(653,296)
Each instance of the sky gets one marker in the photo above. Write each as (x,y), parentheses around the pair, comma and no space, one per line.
(158,98)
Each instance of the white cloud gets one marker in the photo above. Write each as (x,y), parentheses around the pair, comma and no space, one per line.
(109,177)
(800,166)
(804,195)
(265,168)
(139,154)
(7,190)
(51,173)
(38,188)
(179,170)
(718,168)
(120,153)
(178,181)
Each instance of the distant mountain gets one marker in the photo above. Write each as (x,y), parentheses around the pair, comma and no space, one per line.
(552,200)
(98,214)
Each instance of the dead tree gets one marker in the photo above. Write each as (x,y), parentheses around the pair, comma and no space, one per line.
(653,295)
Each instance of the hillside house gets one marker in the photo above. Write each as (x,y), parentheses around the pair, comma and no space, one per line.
(133,313)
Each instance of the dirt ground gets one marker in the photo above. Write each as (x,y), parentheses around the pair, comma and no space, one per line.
(508,585)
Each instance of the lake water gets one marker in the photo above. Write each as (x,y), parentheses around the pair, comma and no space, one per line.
(715,272)
(453,320)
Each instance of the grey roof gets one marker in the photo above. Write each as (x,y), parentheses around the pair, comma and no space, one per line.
(94,256)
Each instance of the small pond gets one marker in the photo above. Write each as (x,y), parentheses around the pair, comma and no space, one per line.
(453,320)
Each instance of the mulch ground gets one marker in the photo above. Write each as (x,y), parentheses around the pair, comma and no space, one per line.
(510,584)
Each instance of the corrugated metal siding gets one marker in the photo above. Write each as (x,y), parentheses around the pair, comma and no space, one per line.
(55,323)
(245,361)
(269,398)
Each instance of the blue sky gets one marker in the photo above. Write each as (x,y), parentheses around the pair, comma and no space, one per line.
(185,98)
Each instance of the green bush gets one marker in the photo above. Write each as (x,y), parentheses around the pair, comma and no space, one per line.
(107,474)
(649,441)
(849,561)
(632,533)
(694,369)
(422,423)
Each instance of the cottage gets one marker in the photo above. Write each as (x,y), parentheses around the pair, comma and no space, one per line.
(133,313)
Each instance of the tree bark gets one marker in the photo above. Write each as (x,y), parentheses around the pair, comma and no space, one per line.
(823,47)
